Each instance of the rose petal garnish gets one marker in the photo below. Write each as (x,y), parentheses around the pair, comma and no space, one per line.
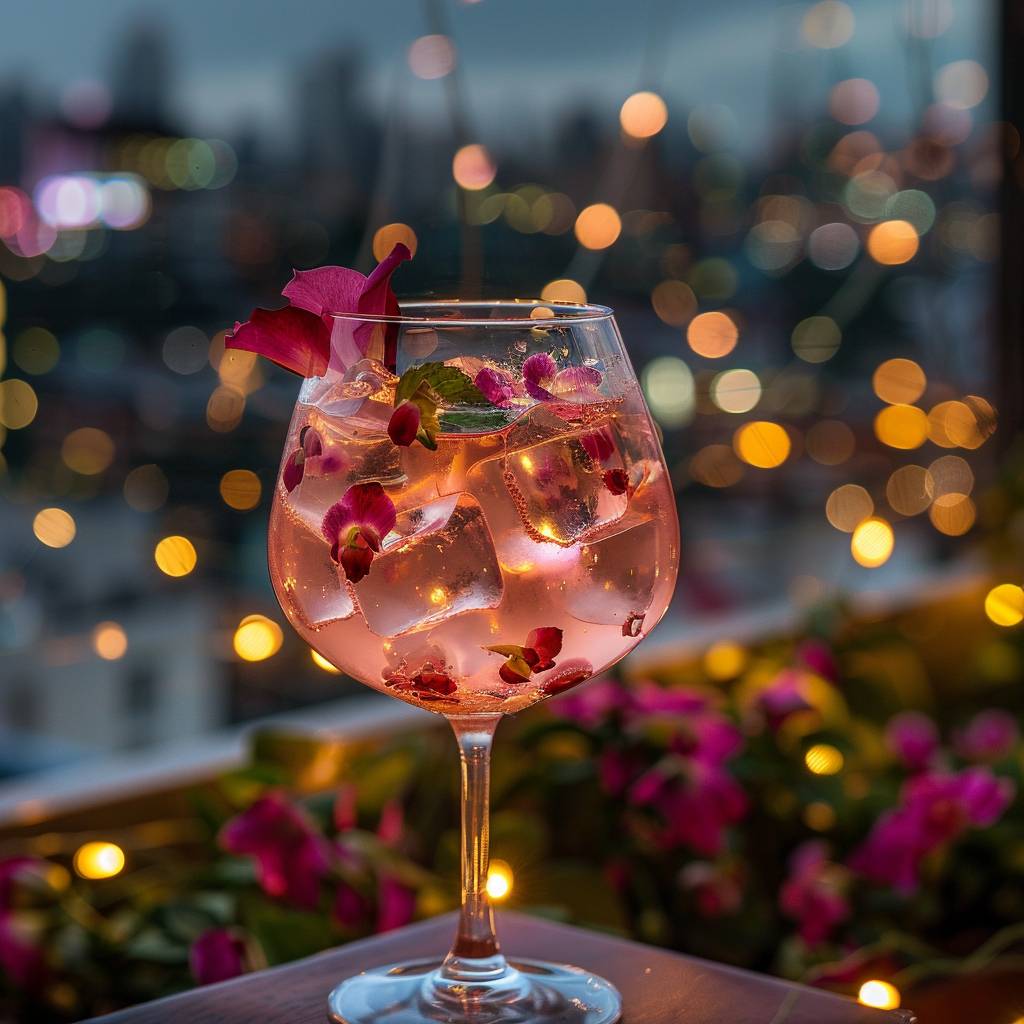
(599,444)
(576,378)
(404,424)
(616,480)
(547,642)
(435,682)
(294,467)
(538,373)
(571,673)
(293,338)
(325,290)
(376,296)
(496,386)
(356,525)
(633,624)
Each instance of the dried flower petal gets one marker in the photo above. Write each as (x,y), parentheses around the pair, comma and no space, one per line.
(496,386)
(616,480)
(294,467)
(633,624)
(538,373)
(547,642)
(293,338)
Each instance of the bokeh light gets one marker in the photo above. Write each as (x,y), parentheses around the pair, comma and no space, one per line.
(872,542)
(952,514)
(385,238)
(499,881)
(472,167)
(109,641)
(175,556)
(322,663)
(240,489)
(828,24)
(853,101)
(950,474)
(961,84)
(146,488)
(598,226)
(669,388)
(54,527)
(98,860)
(716,465)
(724,661)
(563,289)
(830,442)
(18,404)
(736,390)
(902,426)
(185,349)
(824,759)
(762,444)
(431,56)
(833,246)
(909,490)
(35,350)
(712,335)
(257,638)
(816,339)
(848,506)
(674,302)
(643,115)
(87,450)
(1004,604)
(879,994)
(899,381)
(893,242)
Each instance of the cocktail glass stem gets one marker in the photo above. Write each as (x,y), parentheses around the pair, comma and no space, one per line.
(475,955)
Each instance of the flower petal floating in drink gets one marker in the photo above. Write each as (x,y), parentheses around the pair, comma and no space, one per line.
(616,480)
(423,390)
(537,655)
(356,525)
(298,336)
(497,386)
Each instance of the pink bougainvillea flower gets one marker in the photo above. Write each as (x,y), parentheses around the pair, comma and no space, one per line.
(989,736)
(599,444)
(404,424)
(292,858)
(782,697)
(351,907)
(298,336)
(616,480)
(22,958)
(913,738)
(396,903)
(217,955)
(498,387)
(592,704)
(356,525)
(814,894)
(935,809)
(537,655)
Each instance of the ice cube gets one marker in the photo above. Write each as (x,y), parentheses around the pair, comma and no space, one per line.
(554,487)
(306,579)
(617,572)
(439,562)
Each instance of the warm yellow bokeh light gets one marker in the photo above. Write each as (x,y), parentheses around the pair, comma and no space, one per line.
(674,302)
(951,474)
(1004,604)
(952,514)
(893,242)
(828,25)
(472,167)
(909,490)
(563,289)
(872,543)
(899,381)
(902,426)
(644,114)
(830,442)
(99,860)
(736,390)
(54,527)
(712,335)
(598,226)
(387,237)
(499,880)
(109,641)
(824,759)
(257,638)
(879,994)
(87,450)
(321,662)
(762,444)
(18,404)
(716,465)
(724,660)
(175,556)
(848,506)
(240,489)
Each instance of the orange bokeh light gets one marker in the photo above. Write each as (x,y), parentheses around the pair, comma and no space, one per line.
(598,226)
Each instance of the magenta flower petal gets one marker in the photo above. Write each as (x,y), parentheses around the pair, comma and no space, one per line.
(616,481)
(326,290)
(356,525)
(21,959)
(351,907)
(216,955)
(574,379)
(599,444)
(538,373)
(291,337)
(376,296)
(294,468)
(396,904)
(496,386)
(913,738)
(345,808)
(391,826)
(312,443)
(547,642)
(989,736)
(404,424)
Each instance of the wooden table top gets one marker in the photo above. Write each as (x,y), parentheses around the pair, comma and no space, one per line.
(658,987)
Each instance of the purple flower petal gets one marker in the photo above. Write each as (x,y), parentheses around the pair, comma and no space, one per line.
(294,468)
(326,290)
(496,386)
(538,372)
(376,296)
(293,338)
(574,379)
(216,955)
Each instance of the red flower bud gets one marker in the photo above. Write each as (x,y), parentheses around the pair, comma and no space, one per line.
(404,424)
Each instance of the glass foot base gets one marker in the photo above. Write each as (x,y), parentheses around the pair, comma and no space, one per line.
(527,992)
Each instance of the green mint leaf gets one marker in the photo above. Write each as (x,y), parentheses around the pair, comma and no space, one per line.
(452,385)
(484,421)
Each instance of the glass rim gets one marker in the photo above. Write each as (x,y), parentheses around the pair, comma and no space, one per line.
(413,313)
